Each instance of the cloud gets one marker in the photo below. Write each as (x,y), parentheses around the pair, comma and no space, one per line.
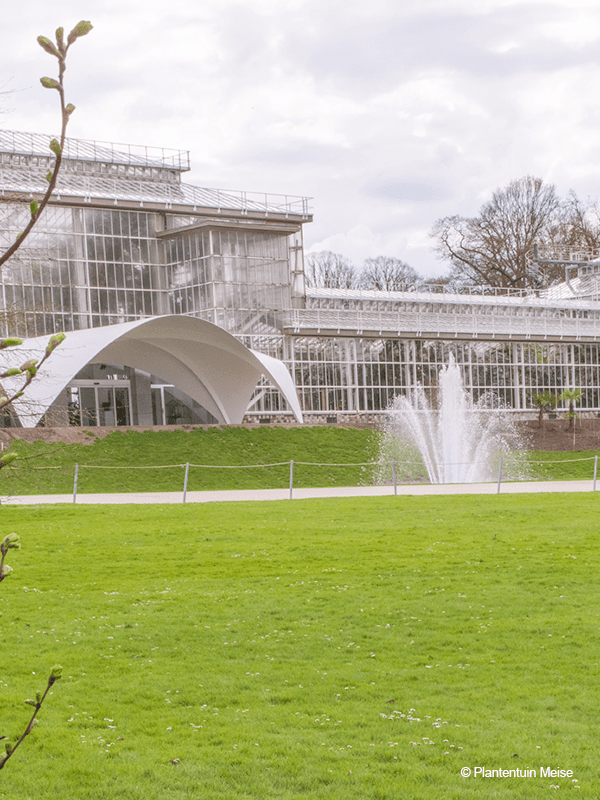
(389,114)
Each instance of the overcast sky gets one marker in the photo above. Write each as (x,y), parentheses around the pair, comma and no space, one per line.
(390,114)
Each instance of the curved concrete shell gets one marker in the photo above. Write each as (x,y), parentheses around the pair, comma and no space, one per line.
(204,361)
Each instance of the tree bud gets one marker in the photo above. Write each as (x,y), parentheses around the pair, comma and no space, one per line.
(49,176)
(7,459)
(47,46)
(11,341)
(55,340)
(33,207)
(49,83)
(55,674)
(80,29)
(55,147)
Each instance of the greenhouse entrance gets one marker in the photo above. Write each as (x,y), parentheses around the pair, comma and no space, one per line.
(105,402)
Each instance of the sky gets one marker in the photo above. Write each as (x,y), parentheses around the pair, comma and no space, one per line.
(389,114)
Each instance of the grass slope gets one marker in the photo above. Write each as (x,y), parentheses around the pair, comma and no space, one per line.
(552,465)
(364,649)
(49,468)
(36,470)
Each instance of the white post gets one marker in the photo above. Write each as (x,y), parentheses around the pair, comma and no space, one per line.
(185,481)
(291,477)
(75,483)
(394,475)
(499,475)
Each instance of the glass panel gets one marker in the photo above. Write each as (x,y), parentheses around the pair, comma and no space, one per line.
(157,409)
(106,407)
(122,406)
(88,405)
(74,405)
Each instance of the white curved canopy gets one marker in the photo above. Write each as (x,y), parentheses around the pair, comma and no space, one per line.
(204,361)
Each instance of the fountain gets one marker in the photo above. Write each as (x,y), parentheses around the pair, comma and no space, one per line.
(459,441)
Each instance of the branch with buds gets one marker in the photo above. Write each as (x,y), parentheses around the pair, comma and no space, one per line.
(28,370)
(55,675)
(10,542)
(59,51)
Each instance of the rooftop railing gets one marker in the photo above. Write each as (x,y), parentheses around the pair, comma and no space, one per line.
(38,144)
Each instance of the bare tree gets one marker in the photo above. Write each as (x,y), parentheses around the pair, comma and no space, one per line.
(580,226)
(388,274)
(491,248)
(327,270)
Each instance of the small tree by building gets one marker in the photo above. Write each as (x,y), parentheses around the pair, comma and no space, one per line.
(571,396)
(544,402)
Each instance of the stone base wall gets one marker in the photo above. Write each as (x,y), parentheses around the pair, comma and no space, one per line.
(340,418)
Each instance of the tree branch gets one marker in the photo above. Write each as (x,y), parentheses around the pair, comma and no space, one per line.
(55,675)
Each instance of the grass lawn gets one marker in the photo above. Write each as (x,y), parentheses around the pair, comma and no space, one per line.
(112,464)
(356,648)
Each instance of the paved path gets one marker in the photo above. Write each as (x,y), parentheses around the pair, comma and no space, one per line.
(524,487)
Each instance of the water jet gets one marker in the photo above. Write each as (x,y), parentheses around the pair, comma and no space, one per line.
(459,441)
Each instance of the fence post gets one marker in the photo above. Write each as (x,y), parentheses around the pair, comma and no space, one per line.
(291,477)
(595,471)
(394,475)
(185,480)
(499,475)
(75,483)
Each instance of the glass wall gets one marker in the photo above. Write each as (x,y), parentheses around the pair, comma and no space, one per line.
(360,374)
(81,268)
(238,279)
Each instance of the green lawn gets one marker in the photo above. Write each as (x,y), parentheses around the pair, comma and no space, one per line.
(307,649)
(112,464)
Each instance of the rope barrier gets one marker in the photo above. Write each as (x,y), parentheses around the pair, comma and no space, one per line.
(358,464)
(29,469)
(286,463)
(163,466)
(560,460)
(241,466)
(291,464)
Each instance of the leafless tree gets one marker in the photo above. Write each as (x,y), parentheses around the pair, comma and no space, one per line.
(491,248)
(388,275)
(580,225)
(327,270)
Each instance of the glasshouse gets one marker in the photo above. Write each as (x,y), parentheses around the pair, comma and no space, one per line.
(124,240)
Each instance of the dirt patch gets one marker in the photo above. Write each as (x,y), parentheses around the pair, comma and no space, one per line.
(555,434)
(75,435)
